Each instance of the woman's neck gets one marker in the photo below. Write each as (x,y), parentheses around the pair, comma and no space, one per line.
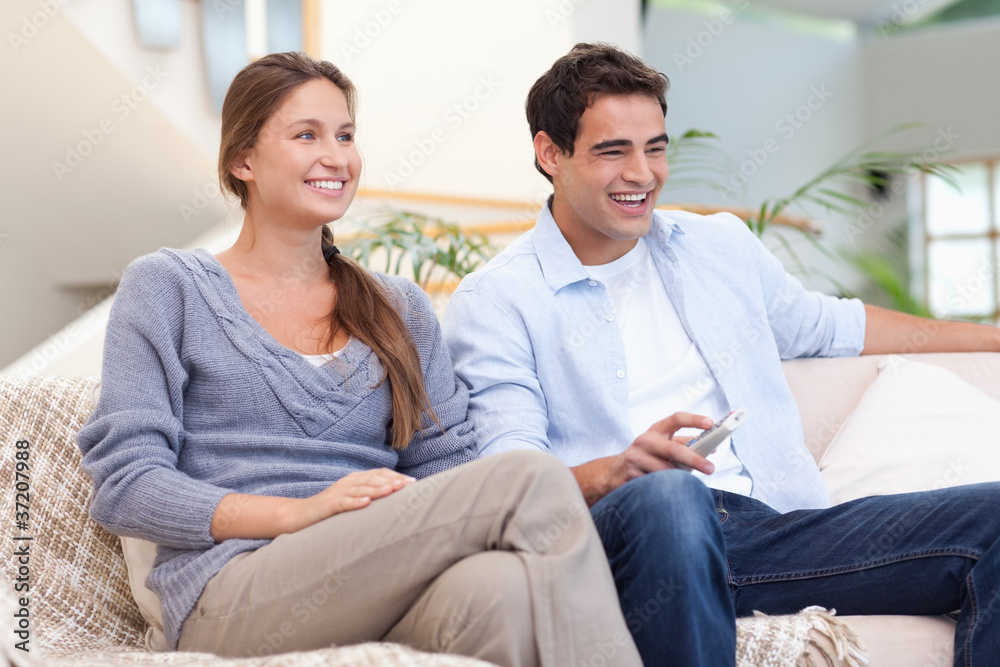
(263,251)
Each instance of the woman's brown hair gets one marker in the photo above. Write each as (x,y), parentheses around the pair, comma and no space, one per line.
(363,308)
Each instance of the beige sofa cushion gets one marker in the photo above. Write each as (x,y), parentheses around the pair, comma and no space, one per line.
(917,427)
(139,558)
(827,390)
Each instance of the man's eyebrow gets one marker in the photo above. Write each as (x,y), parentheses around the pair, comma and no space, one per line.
(618,143)
(611,143)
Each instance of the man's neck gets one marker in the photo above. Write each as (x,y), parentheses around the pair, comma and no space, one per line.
(590,249)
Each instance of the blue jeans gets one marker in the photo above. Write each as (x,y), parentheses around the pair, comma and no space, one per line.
(688,560)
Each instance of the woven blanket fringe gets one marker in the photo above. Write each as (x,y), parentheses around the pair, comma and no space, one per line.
(847,650)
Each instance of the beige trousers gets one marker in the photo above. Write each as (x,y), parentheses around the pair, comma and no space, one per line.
(496,559)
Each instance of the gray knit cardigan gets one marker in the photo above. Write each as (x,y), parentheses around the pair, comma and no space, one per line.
(198,401)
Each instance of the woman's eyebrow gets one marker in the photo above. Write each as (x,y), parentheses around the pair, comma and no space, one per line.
(315,122)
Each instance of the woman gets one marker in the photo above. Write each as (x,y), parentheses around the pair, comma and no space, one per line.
(265,415)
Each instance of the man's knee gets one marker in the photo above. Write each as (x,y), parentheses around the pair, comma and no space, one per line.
(671,503)
(664,489)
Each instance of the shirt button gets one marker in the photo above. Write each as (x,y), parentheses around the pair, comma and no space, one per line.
(593,283)
(610,318)
(620,374)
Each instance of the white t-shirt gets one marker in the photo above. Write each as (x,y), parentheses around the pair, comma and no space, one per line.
(666,372)
(318,360)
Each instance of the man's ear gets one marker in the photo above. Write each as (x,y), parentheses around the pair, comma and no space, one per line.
(547,153)
(241,169)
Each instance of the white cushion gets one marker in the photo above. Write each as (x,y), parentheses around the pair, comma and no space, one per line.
(917,427)
(139,557)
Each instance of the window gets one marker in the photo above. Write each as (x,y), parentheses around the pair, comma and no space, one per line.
(961,232)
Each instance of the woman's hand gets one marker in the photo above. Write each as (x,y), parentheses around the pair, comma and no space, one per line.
(351,492)
(260,517)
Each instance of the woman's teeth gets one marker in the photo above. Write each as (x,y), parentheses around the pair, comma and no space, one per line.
(327,185)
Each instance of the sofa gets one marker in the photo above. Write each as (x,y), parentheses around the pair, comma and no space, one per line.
(80,610)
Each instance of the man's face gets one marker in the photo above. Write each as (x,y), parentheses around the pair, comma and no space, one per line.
(605,192)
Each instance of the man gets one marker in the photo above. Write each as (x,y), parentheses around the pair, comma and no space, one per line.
(608,316)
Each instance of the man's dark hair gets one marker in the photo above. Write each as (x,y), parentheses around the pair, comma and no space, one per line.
(560,96)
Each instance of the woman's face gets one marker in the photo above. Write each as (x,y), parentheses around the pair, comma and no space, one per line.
(305,166)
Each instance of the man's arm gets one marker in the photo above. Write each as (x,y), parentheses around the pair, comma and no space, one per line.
(891,332)
(494,357)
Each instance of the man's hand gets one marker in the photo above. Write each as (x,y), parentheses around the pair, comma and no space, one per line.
(656,449)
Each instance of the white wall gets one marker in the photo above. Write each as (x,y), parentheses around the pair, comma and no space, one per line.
(442,84)
(740,79)
(107,156)
(946,77)
(183,98)
(785,106)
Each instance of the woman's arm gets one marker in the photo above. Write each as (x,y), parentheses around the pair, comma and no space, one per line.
(434,449)
(240,515)
(132,443)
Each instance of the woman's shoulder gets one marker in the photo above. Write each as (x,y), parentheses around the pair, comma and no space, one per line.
(409,298)
(167,265)
(155,278)
(402,289)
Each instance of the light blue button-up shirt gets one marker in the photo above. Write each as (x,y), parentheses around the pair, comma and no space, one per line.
(545,365)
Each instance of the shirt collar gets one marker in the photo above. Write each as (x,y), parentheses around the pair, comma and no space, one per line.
(560,265)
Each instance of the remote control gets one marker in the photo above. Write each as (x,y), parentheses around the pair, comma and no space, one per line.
(706,443)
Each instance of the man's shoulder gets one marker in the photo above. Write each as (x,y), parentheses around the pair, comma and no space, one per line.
(698,224)
(718,234)
(516,266)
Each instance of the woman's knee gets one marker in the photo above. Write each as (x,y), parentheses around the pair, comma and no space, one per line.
(493,613)
(524,469)
(530,460)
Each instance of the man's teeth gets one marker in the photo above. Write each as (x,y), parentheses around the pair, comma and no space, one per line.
(630,198)
(327,185)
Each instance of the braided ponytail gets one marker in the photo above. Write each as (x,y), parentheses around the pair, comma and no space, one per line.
(364,311)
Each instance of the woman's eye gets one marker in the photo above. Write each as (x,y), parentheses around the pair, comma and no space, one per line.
(307,135)
(345,137)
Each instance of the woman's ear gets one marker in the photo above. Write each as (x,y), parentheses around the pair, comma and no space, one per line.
(547,153)
(241,169)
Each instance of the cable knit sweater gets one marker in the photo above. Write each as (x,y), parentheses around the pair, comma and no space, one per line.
(198,401)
